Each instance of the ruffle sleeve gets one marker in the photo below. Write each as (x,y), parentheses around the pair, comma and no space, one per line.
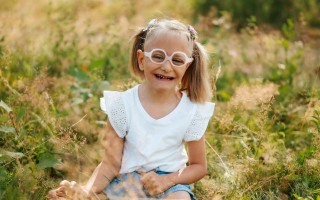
(199,122)
(112,104)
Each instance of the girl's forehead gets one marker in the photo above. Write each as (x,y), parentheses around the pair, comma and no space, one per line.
(170,41)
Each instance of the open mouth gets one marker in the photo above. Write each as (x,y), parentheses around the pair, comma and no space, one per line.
(159,76)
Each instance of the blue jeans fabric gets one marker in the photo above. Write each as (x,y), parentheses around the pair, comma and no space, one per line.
(128,186)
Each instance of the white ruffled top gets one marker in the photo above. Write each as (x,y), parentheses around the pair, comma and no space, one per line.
(154,143)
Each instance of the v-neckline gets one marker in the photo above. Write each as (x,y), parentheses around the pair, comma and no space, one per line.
(148,116)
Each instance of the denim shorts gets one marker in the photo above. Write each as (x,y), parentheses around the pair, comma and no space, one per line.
(128,186)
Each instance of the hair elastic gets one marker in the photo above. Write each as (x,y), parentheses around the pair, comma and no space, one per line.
(193,33)
(150,25)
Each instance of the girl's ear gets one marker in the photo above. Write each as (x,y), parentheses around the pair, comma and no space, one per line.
(140,56)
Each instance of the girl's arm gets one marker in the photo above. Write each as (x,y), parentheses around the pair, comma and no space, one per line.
(102,175)
(196,170)
(110,165)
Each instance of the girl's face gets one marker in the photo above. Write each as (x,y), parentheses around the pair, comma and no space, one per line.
(165,76)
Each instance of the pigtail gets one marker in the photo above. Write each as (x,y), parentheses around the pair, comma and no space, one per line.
(138,43)
(196,80)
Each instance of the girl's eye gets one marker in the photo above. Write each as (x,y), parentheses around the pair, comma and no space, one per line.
(157,57)
(178,61)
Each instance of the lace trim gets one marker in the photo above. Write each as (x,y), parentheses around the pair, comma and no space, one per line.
(115,110)
(199,123)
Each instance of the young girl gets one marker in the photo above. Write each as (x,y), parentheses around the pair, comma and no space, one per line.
(150,123)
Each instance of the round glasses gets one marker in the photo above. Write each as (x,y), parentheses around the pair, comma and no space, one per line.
(177,59)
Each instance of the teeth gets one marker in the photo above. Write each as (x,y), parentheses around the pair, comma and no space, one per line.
(163,77)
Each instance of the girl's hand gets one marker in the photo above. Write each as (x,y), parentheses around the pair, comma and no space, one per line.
(155,183)
(68,190)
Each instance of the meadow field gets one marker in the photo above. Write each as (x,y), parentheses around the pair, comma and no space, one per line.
(56,58)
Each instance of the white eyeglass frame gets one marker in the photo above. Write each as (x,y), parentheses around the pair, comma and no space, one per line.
(188,59)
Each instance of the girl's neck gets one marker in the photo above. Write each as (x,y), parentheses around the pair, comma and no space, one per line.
(157,96)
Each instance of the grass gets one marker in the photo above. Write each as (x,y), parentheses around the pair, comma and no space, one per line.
(262,143)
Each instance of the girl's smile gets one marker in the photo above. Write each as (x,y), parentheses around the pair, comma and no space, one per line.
(164,78)
(164,71)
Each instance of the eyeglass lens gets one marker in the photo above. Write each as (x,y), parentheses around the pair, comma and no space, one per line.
(177,58)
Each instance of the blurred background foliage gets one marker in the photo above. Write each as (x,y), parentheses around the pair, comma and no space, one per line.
(56,58)
(272,12)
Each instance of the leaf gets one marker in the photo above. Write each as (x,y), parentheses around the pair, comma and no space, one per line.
(47,160)
(11,154)
(282,134)
(7,129)
(96,64)
(79,74)
(297,197)
(5,106)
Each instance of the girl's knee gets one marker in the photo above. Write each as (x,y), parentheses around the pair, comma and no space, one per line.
(178,195)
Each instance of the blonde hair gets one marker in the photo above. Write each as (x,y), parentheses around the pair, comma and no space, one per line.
(195,80)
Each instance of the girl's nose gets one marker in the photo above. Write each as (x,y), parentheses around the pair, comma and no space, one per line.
(166,66)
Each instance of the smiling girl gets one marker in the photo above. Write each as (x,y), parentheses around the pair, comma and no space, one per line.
(149,124)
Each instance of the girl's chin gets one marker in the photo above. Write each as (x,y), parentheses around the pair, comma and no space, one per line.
(162,86)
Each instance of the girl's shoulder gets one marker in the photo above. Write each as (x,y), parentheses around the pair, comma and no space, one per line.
(201,114)
(115,104)
(205,109)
